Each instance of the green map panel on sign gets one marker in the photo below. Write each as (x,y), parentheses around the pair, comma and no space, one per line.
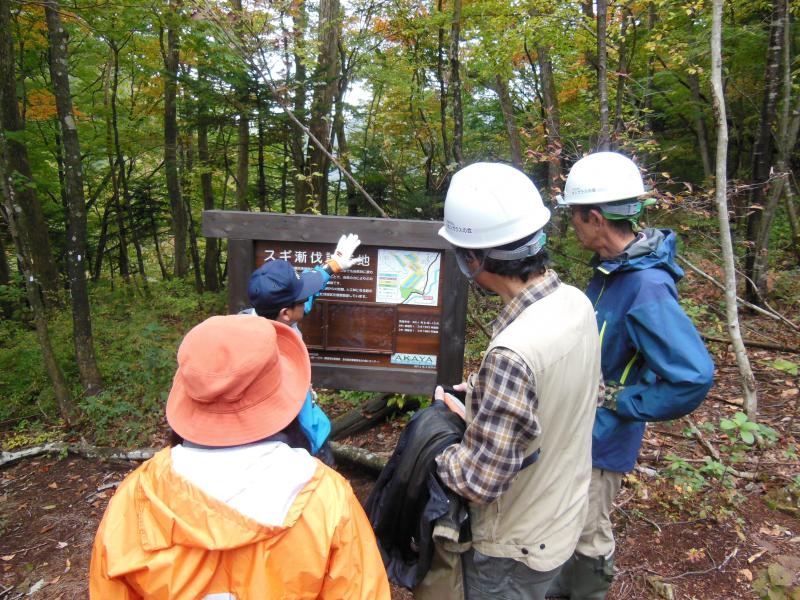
(408,277)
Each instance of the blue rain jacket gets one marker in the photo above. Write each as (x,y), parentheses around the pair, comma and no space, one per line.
(313,420)
(650,348)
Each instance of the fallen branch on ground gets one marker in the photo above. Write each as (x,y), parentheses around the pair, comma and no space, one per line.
(771,313)
(369,413)
(625,514)
(85,450)
(718,567)
(357,456)
(752,344)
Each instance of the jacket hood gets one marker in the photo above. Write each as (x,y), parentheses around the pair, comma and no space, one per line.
(653,248)
(172,511)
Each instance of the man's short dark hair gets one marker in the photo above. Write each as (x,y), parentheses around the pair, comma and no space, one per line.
(272,312)
(623,226)
(523,268)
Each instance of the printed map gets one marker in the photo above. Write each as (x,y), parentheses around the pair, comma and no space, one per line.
(408,277)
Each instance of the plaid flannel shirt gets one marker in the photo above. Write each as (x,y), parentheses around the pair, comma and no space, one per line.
(503,407)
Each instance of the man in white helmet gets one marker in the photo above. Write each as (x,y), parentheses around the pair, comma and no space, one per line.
(524,463)
(655,365)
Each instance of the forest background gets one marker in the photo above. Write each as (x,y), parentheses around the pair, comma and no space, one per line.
(122,121)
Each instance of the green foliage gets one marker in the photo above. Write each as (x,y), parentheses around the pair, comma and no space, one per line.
(12,299)
(740,428)
(27,433)
(354,397)
(697,312)
(691,479)
(136,339)
(777,581)
(685,475)
(400,401)
(787,366)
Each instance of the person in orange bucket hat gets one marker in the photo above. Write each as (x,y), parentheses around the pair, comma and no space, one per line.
(239,508)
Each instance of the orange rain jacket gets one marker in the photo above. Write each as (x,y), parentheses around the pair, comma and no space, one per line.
(162,537)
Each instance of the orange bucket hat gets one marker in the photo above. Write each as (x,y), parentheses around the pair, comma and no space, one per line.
(240,379)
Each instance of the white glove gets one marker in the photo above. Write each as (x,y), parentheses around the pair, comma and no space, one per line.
(343,256)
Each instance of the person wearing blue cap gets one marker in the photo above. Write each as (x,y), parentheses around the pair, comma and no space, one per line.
(278,292)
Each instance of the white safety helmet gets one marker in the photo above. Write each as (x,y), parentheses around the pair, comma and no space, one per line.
(490,205)
(601,178)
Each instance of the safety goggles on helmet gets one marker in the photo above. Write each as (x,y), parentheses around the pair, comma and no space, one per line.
(625,210)
(530,248)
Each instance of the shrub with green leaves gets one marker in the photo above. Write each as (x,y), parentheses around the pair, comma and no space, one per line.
(739,428)
(778,581)
(136,337)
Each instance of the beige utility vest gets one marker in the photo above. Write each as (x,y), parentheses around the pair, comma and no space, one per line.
(538,520)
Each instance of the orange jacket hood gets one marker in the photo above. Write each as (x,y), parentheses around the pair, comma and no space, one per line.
(167,509)
(164,538)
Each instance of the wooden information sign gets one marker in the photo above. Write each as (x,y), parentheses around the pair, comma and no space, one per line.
(394,323)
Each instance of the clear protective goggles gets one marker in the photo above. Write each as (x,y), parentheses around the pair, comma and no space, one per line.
(622,208)
(530,248)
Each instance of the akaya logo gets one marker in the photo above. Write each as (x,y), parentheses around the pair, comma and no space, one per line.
(417,360)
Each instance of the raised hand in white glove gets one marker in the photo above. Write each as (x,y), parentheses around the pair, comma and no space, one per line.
(343,256)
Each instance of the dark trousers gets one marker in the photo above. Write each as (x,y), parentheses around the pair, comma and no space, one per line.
(492,578)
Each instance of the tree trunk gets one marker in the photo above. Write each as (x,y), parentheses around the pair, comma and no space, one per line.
(262,176)
(76,205)
(5,272)
(359,457)
(186,170)
(647,104)
(731,307)
(101,244)
(507,106)
(242,160)
(15,217)
(604,137)
(341,139)
(177,210)
(285,167)
(455,85)
(211,257)
(195,251)
(325,86)
(762,151)
(622,73)
(786,137)
(157,245)
(243,129)
(296,142)
(442,89)
(552,121)
(35,234)
(117,164)
(364,416)
(700,124)
(62,185)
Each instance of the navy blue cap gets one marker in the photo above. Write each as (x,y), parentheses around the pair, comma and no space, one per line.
(276,284)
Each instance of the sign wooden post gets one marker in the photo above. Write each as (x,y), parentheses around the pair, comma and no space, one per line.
(394,323)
